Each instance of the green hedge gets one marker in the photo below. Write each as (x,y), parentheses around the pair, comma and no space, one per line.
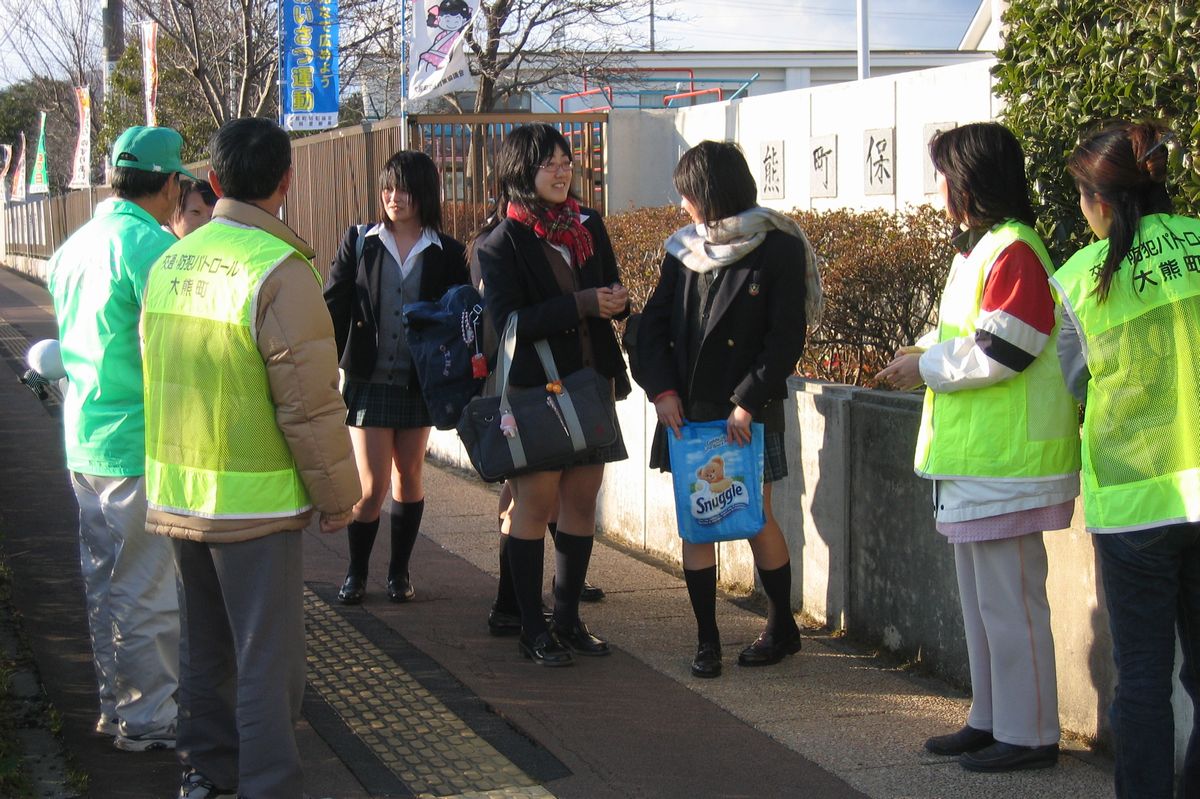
(882,276)
(1067,65)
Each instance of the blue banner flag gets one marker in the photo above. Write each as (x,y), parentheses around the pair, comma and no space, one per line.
(308,64)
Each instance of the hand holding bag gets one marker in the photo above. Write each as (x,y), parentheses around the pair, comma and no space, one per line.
(555,423)
(718,485)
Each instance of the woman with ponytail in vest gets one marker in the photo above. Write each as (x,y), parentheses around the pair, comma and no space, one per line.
(548,260)
(378,270)
(1128,351)
(999,439)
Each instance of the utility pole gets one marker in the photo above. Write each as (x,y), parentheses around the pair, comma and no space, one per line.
(652,26)
(864,43)
(112,19)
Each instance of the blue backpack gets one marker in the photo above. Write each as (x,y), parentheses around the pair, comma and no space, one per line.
(444,339)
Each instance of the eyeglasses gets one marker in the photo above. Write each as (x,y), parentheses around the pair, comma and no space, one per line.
(566,166)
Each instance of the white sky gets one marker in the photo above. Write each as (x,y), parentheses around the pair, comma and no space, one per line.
(775,25)
(811,24)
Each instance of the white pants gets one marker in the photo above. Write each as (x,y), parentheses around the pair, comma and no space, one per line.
(1002,586)
(132,603)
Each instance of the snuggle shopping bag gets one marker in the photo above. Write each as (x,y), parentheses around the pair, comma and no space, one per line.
(718,485)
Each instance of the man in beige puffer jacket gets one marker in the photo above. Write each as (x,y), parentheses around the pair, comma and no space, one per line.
(245,441)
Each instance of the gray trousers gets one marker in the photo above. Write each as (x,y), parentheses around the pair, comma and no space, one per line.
(132,603)
(242,676)
(1002,586)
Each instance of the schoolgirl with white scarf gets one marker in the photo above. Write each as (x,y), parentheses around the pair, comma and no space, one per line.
(737,290)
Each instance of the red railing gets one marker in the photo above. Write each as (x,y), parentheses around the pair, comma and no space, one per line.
(720,93)
(606,90)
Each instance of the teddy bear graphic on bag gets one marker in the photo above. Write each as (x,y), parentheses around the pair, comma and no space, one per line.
(718,485)
(715,496)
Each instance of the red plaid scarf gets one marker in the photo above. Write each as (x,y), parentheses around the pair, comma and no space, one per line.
(560,226)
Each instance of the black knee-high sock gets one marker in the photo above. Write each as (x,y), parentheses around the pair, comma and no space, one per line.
(361,538)
(526,559)
(406,523)
(777,585)
(702,591)
(572,553)
(506,594)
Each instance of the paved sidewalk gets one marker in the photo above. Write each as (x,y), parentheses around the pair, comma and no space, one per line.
(418,699)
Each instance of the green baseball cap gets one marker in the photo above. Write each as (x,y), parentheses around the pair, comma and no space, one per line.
(150,149)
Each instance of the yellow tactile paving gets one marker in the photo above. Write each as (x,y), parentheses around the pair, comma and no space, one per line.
(412,733)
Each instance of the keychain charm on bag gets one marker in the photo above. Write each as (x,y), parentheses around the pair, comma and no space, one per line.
(470,321)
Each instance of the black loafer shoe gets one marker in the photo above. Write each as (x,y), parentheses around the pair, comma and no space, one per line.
(544,650)
(501,623)
(579,639)
(1009,757)
(400,588)
(968,739)
(707,662)
(590,593)
(352,591)
(768,649)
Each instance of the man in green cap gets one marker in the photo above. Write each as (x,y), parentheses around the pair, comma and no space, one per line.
(97,279)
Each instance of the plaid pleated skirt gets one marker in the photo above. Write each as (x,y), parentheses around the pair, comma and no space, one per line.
(775,465)
(384,405)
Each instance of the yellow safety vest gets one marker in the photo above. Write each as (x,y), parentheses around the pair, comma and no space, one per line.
(1026,427)
(213,446)
(1141,429)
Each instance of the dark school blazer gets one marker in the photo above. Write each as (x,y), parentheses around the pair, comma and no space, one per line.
(753,337)
(517,277)
(352,294)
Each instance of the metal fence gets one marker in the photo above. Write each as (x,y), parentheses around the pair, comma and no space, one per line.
(335,184)
(37,227)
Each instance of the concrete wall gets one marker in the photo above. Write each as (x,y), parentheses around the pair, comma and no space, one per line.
(643,146)
(31,267)
(866,557)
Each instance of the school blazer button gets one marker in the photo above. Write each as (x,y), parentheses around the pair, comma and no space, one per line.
(729,343)
(358,323)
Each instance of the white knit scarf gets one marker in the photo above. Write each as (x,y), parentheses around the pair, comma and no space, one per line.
(702,248)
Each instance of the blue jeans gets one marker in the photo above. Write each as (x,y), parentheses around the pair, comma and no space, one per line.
(1152,586)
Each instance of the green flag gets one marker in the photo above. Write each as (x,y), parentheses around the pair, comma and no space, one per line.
(39,181)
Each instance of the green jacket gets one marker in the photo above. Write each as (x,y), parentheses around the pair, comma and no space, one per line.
(97,280)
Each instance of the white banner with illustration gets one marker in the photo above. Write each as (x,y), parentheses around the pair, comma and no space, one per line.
(437,61)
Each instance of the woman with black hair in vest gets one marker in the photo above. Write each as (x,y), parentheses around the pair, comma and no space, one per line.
(719,338)
(547,259)
(404,258)
(1128,350)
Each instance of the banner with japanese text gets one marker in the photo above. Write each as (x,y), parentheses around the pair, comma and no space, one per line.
(6,152)
(150,70)
(308,68)
(17,194)
(39,179)
(81,175)
(440,63)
